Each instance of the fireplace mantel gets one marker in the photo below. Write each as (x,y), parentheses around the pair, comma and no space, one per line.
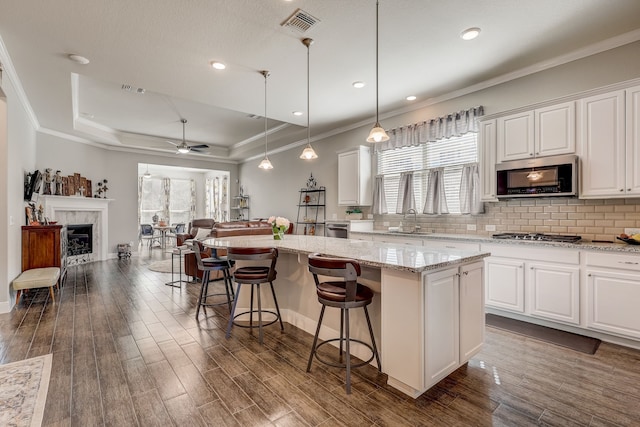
(54,206)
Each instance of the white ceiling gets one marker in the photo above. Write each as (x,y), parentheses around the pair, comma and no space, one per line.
(165,47)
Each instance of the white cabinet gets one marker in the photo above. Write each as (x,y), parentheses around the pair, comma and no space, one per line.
(601,145)
(487,160)
(505,284)
(555,130)
(454,318)
(472,318)
(609,148)
(613,292)
(553,291)
(538,282)
(546,131)
(354,177)
(515,136)
(440,326)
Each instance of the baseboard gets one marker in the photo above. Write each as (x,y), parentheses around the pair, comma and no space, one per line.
(6,306)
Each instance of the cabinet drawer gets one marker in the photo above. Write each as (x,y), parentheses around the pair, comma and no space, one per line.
(530,253)
(448,244)
(616,261)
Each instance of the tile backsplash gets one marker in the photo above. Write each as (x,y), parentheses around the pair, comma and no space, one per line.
(591,219)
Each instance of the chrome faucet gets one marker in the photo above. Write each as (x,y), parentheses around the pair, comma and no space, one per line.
(415,219)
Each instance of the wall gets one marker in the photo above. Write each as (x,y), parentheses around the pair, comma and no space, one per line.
(275,191)
(17,157)
(120,169)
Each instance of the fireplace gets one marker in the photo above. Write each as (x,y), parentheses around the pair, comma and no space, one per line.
(69,210)
(79,239)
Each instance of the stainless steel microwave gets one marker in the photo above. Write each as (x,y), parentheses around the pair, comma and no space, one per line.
(539,177)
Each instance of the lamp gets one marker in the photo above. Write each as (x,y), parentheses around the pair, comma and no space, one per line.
(265,163)
(147,174)
(377,134)
(308,153)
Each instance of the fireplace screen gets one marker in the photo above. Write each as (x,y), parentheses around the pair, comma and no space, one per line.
(79,239)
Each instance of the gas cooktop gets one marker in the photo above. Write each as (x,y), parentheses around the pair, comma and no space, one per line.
(540,237)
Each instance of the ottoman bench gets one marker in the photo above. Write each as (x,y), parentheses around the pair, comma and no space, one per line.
(46,277)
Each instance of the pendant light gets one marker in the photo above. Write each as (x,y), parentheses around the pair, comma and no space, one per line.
(377,134)
(265,163)
(308,153)
(147,174)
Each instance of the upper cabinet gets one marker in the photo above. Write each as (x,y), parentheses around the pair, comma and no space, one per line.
(541,132)
(354,177)
(609,144)
(487,160)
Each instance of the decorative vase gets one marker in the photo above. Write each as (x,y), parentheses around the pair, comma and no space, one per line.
(278,234)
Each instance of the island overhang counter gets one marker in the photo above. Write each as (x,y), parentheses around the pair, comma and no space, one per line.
(427,314)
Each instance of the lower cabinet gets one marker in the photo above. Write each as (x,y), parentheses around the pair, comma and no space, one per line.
(613,293)
(440,326)
(454,319)
(543,283)
(553,291)
(505,283)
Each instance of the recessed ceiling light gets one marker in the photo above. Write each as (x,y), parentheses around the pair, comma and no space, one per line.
(411,98)
(78,59)
(359,85)
(470,33)
(297,113)
(218,65)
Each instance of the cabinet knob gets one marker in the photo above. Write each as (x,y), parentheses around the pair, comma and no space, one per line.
(621,190)
(537,154)
(628,189)
(589,275)
(531,154)
(519,266)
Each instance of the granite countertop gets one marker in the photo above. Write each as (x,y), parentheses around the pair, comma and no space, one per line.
(582,245)
(370,253)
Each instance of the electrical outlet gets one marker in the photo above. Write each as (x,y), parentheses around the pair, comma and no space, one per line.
(471,227)
(631,231)
(489,227)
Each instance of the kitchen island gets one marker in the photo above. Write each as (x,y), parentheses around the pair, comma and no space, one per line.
(427,314)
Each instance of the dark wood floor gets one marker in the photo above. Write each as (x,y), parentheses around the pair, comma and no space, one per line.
(128,351)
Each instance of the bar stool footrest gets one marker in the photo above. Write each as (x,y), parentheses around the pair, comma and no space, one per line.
(344,365)
(255,323)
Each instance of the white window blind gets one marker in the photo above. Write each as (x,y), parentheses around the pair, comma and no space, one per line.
(449,153)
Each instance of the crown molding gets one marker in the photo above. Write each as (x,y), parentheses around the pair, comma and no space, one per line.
(11,73)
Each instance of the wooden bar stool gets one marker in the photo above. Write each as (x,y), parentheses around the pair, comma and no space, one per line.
(345,295)
(207,265)
(254,275)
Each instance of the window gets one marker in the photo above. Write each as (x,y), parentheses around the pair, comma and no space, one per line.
(170,199)
(217,202)
(450,153)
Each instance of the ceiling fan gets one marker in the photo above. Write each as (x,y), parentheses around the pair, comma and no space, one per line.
(183,147)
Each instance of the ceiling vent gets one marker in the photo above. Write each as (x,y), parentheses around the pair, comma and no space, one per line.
(300,21)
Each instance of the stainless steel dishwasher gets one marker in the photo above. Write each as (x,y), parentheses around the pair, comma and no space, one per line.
(337,229)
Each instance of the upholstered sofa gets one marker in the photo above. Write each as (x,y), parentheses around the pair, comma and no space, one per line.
(220,229)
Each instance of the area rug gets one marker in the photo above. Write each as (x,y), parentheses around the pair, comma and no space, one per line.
(164,266)
(575,342)
(23,391)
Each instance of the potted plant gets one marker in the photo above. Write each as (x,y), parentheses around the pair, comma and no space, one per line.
(354,212)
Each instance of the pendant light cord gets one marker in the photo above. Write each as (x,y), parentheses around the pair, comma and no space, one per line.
(377,114)
(266,136)
(308,125)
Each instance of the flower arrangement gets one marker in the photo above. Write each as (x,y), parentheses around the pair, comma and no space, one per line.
(279,225)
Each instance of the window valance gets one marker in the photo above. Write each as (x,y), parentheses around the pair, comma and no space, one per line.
(454,124)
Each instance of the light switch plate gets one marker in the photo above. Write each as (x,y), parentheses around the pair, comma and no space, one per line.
(471,227)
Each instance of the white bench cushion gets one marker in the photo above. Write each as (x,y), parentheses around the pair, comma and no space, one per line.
(37,278)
